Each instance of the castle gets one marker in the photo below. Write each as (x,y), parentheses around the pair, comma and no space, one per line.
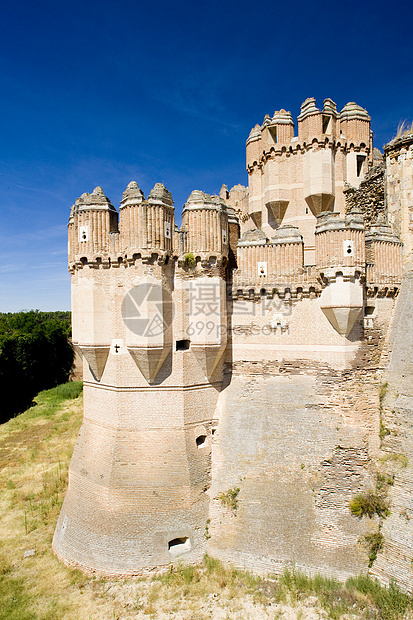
(248,374)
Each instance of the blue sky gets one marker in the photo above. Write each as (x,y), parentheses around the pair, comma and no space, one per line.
(102,93)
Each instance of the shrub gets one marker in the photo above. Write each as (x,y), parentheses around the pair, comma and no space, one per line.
(189,260)
(230,498)
(374,544)
(369,504)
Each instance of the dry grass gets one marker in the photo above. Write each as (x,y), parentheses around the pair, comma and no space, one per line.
(403,129)
(35,449)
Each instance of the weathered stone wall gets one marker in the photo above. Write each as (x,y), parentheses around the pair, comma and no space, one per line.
(298,434)
(399,189)
(369,197)
(396,559)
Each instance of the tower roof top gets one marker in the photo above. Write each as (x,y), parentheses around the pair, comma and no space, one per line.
(132,195)
(95,200)
(353,111)
(159,194)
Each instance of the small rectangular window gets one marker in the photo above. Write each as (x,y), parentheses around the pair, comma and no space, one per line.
(326,124)
(360,162)
(182,345)
(272,135)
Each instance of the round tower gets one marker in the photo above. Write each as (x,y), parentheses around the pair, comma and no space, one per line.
(205,219)
(141,468)
(355,130)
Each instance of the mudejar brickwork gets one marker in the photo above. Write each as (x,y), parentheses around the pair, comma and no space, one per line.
(258,352)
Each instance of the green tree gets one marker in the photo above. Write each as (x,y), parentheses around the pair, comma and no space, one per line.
(35,354)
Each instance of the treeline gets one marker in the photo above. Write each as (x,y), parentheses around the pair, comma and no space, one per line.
(35,354)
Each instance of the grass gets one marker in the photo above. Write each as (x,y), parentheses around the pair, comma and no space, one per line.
(403,130)
(399,458)
(35,449)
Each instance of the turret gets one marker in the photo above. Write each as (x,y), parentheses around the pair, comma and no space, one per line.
(205,220)
(146,224)
(340,261)
(355,130)
(313,123)
(317,131)
(383,257)
(91,221)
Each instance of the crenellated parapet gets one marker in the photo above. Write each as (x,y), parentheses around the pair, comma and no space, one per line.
(144,229)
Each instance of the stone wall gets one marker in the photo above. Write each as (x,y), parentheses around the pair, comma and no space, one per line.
(368,198)
(298,435)
(396,559)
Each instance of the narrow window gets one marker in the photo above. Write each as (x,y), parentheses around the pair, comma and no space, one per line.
(326,124)
(360,162)
(182,345)
(272,135)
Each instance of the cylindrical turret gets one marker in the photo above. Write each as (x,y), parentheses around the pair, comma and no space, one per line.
(146,224)
(92,219)
(341,261)
(384,257)
(313,123)
(205,219)
(132,218)
(355,129)
(160,218)
(340,243)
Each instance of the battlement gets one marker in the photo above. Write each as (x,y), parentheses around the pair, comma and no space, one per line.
(292,179)
(145,229)
(347,130)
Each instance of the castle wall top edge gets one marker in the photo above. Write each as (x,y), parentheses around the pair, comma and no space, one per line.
(398,143)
